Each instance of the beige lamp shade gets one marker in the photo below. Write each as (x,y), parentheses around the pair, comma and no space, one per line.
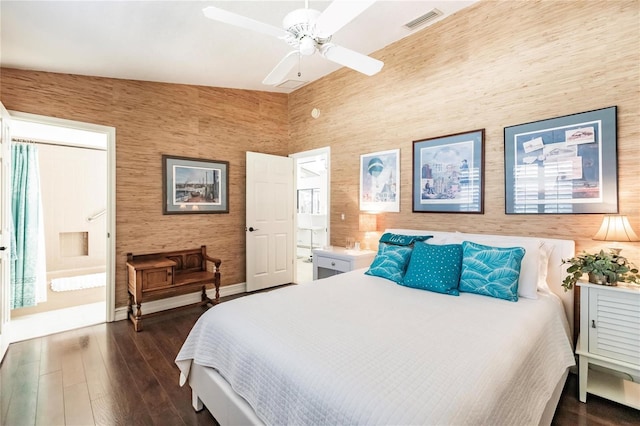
(617,228)
(368,223)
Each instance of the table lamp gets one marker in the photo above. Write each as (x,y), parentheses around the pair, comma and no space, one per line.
(616,228)
(367,224)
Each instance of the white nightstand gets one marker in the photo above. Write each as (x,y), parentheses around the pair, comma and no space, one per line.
(327,262)
(610,338)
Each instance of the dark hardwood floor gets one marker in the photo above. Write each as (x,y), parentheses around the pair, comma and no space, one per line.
(110,375)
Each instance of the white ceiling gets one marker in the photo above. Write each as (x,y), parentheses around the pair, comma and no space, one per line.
(172,41)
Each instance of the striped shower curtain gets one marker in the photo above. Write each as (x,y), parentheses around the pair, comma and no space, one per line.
(27,249)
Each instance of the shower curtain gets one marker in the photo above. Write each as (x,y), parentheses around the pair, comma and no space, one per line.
(28,269)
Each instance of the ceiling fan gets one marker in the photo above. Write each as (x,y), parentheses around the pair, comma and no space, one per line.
(307,31)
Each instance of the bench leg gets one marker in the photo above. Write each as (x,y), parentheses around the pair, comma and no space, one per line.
(137,318)
(205,299)
(130,305)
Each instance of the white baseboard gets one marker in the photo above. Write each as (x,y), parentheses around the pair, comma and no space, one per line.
(185,299)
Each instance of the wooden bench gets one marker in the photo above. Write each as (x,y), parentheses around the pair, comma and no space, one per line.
(159,275)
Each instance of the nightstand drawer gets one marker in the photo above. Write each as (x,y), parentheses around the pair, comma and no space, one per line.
(335,264)
(337,260)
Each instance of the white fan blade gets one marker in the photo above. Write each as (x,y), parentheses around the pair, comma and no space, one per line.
(277,75)
(227,17)
(338,14)
(352,59)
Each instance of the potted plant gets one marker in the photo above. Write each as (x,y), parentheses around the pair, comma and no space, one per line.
(605,268)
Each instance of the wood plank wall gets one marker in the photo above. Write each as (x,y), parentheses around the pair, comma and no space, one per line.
(152,119)
(495,64)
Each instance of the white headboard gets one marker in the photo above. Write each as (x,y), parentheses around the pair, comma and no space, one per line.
(562,249)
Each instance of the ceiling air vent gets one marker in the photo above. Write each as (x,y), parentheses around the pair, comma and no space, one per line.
(421,20)
(292,84)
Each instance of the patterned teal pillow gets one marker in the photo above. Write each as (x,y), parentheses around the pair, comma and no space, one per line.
(435,268)
(491,271)
(390,262)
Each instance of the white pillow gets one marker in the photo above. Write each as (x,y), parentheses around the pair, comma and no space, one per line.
(438,240)
(543,267)
(533,269)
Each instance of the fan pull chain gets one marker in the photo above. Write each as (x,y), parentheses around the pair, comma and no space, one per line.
(299,62)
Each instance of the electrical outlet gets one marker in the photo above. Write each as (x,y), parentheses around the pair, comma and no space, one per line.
(341,216)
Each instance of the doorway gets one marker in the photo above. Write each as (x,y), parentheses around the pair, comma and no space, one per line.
(75,161)
(312,208)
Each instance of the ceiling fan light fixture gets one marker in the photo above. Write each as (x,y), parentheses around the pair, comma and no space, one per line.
(307,46)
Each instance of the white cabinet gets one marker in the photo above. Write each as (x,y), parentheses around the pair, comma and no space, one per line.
(609,342)
(327,262)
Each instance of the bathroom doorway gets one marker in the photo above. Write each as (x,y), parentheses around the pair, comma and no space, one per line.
(73,164)
(312,208)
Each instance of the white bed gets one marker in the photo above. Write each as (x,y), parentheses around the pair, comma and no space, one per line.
(359,349)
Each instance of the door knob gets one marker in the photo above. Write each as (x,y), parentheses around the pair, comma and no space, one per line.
(251,229)
(3,248)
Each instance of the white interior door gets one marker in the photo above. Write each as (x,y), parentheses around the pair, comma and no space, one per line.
(5,239)
(269,220)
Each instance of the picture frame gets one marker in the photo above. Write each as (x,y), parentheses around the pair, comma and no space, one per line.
(448,173)
(308,201)
(194,186)
(379,181)
(562,165)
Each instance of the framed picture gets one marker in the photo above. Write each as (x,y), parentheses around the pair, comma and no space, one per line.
(562,165)
(309,200)
(379,181)
(192,185)
(448,173)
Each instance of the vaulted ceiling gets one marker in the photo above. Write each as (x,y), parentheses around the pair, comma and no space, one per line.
(172,41)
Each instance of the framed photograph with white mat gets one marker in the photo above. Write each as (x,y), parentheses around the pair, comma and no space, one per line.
(448,173)
(192,185)
(562,165)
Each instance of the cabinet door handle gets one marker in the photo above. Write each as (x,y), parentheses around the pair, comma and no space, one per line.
(593,323)
(333,263)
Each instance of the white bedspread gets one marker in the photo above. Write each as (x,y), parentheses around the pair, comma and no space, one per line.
(356,349)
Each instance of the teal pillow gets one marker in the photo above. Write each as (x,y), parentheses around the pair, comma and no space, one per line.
(402,240)
(435,268)
(491,271)
(390,262)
